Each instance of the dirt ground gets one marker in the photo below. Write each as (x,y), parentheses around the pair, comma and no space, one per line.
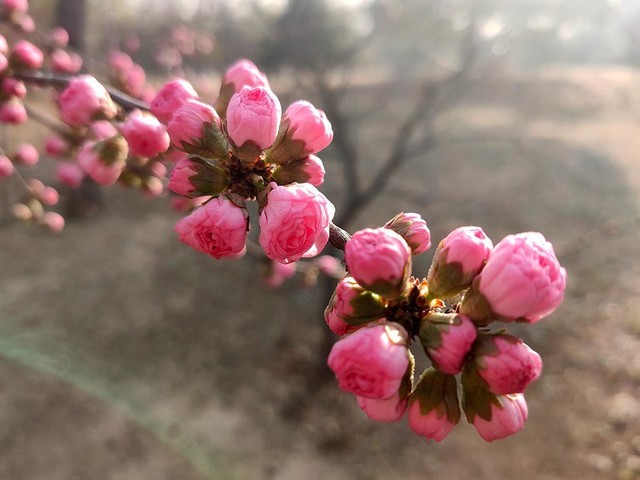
(124,355)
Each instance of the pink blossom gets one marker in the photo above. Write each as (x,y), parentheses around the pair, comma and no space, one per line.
(146,136)
(26,55)
(218,228)
(53,221)
(49,196)
(390,409)
(188,122)
(171,97)
(12,87)
(120,62)
(244,73)
(308,125)
(27,154)
(70,174)
(434,425)
(253,116)
(56,146)
(295,222)
(329,265)
(15,6)
(353,305)
(13,112)
(380,260)
(65,62)
(85,100)
(278,273)
(6,167)
(102,129)
(460,257)
(60,37)
(523,279)
(414,230)
(135,80)
(102,170)
(447,339)
(508,416)
(506,363)
(371,362)
(27,24)
(337,324)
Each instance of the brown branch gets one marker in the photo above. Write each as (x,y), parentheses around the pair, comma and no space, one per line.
(49,122)
(337,236)
(43,78)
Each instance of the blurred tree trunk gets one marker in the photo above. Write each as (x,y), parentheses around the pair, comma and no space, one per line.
(72,16)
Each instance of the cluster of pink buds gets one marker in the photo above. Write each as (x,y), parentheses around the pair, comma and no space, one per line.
(379,308)
(15,13)
(245,149)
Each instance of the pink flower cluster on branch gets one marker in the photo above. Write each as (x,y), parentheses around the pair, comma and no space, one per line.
(241,151)
(470,285)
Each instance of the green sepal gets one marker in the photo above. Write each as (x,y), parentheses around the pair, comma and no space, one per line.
(248,152)
(475,306)
(433,326)
(285,149)
(292,172)
(213,144)
(407,380)
(211,179)
(367,307)
(112,150)
(476,397)
(437,391)
(227,91)
(446,279)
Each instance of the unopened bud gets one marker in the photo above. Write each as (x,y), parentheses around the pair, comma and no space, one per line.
(309,170)
(413,229)
(195,177)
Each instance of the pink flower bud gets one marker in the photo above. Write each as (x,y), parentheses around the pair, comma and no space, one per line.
(27,154)
(522,281)
(371,362)
(120,62)
(413,229)
(15,6)
(433,405)
(85,100)
(13,112)
(218,228)
(277,273)
(104,161)
(507,415)
(65,62)
(27,24)
(244,73)
(70,174)
(460,257)
(379,260)
(26,55)
(170,98)
(308,125)
(353,304)
(186,127)
(253,116)
(6,167)
(56,146)
(102,129)
(390,409)
(49,196)
(295,222)
(12,87)
(146,136)
(506,363)
(309,169)
(329,265)
(135,81)
(447,339)
(53,221)
(195,177)
(337,324)
(60,37)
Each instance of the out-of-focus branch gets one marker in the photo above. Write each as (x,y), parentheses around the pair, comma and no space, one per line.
(49,122)
(43,78)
